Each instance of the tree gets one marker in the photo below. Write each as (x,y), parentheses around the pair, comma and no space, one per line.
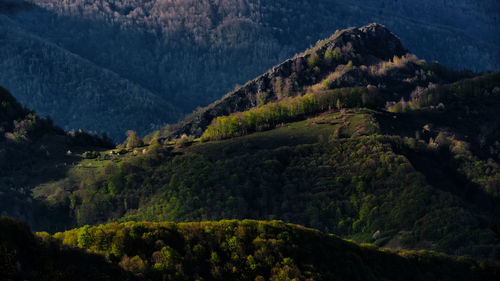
(133,140)
(85,239)
(313,60)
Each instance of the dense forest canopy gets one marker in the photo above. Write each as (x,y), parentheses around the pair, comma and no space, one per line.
(225,250)
(355,137)
(168,57)
(33,151)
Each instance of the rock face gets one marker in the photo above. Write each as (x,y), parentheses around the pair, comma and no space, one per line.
(366,45)
(188,53)
(371,40)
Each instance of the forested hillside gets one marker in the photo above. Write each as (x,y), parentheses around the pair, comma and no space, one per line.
(225,250)
(73,91)
(355,136)
(165,58)
(370,56)
(33,151)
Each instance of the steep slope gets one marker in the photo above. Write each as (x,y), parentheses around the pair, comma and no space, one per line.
(473,23)
(414,179)
(360,142)
(73,91)
(33,151)
(189,53)
(226,250)
(24,256)
(353,56)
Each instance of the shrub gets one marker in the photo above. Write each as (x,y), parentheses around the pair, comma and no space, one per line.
(314,60)
(184,140)
(91,154)
(135,264)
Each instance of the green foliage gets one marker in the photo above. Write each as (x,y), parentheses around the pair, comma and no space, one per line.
(314,60)
(133,140)
(332,172)
(91,154)
(34,151)
(362,183)
(462,93)
(349,65)
(84,237)
(396,75)
(24,256)
(257,250)
(272,114)
(332,55)
(357,173)
(179,66)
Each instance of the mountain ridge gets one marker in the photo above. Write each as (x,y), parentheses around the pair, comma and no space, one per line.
(366,46)
(367,148)
(92,96)
(185,52)
(224,250)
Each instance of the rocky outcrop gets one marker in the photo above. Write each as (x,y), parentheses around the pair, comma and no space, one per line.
(367,45)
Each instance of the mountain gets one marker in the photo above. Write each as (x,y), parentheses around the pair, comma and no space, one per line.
(225,250)
(364,48)
(68,87)
(32,151)
(355,136)
(112,59)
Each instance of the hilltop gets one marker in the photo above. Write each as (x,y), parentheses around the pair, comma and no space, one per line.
(354,136)
(225,250)
(111,60)
(352,57)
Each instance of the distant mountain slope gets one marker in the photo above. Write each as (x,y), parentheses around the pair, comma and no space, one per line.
(73,91)
(189,53)
(225,250)
(473,22)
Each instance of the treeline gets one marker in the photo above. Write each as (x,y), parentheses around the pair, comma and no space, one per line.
(271,114)
(20,125)
(344,183)
(183,52)
(225,250)
(24,256)
(34,150)
(76,93)
(466,92)
(257,250)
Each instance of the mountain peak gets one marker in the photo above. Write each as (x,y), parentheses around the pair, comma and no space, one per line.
(370,41)
(367,45)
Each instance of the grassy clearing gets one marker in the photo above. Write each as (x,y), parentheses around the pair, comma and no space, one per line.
(313,130)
